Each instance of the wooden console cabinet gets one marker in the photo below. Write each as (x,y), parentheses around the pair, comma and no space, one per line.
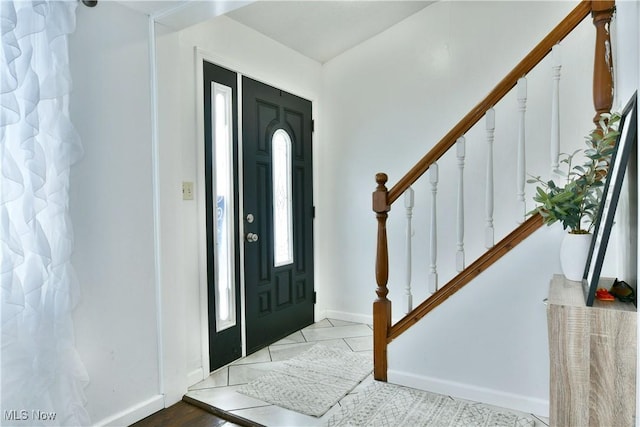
(593,358)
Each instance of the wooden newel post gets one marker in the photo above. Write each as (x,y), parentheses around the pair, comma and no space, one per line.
(381,306)
(602,12)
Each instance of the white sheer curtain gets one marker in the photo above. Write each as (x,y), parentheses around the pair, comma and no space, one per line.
(42,375)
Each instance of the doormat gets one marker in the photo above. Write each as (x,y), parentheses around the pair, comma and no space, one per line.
(389,405)
(312,382)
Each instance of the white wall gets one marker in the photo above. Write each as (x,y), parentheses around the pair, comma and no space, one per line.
(385,103)
(112,204)
(133,371)
(112,213)
(403,89)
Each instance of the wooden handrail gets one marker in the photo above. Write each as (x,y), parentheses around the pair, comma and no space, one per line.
(524,67)
(481,264)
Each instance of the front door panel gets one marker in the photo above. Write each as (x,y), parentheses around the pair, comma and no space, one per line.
(278,207)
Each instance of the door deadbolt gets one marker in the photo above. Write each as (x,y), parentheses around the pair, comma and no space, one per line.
(250,218)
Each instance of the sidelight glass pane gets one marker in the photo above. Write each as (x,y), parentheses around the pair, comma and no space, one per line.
(223,187)
(282,199)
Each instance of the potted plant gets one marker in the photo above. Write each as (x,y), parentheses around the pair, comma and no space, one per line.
(576,203)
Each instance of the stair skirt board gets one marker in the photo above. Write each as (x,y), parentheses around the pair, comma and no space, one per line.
(471,392)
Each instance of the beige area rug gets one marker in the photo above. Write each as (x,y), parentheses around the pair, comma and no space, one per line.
(388,405)
(312,382)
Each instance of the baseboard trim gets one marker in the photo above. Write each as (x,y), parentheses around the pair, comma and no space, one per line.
(134,413)
(367,319)
(470,392)
(195,376)
(319,314)
(349,317)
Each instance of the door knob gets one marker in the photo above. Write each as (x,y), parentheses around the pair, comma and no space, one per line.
(252,237)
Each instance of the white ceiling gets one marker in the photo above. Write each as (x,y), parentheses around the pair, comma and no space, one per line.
(318,29)
(324,29)
(152,7)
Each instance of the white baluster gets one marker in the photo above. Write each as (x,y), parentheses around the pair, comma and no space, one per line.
(555,110)
(491,126)
(521,171)
(408,204)
(460,154)
(433,272)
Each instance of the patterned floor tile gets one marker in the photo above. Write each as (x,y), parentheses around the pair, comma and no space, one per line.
(294,338)
(336,322)
(219,378)
(349,331)
(226,398)
(324,323)
(242,374)
(360,343)
(219,389)
(284,352)
(257,357)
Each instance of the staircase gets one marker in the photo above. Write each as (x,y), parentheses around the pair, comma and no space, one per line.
(383,198)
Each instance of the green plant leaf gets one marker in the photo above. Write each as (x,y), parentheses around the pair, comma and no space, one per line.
(577,202)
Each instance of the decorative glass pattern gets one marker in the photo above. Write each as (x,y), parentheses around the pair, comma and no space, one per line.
(223,188)
(282,198)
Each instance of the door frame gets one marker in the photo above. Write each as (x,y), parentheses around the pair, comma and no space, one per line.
(200,56)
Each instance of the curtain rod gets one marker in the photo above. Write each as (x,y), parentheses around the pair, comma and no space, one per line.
(90,3)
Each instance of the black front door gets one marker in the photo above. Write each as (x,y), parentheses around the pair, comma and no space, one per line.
(278,213)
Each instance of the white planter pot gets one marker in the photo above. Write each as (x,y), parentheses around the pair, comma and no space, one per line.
(574,251)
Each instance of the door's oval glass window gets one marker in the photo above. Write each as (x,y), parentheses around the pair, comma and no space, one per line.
(282,198)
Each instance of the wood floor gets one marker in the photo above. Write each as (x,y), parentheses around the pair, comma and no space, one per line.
(183,414)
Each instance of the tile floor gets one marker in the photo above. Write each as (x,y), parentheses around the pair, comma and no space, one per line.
(219,389)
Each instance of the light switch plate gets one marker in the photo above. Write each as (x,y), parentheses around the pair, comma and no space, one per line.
(187,190)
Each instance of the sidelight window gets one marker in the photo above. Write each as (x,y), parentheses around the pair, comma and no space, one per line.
(223,187)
